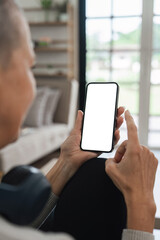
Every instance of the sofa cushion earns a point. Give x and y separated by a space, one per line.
43 107
35 114
33 144
51 106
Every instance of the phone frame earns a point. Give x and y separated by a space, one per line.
115 115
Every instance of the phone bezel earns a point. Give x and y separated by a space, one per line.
115 115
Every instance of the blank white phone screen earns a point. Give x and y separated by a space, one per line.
98 124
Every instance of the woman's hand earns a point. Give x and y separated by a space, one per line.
72 157
133 171
70 149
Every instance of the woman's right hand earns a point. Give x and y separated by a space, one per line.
133 170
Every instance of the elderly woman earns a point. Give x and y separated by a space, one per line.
89 205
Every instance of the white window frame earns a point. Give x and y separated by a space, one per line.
145 72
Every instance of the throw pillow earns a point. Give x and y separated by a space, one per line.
51 105
35 114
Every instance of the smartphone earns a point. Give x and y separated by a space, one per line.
99 119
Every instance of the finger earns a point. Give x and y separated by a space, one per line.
120 152
112 171
131 130
120 111
90 155
119 122
110 167
116 136
79 119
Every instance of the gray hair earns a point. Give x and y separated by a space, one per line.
10 31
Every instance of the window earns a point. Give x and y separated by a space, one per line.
123 45
154 109
120 48
114 45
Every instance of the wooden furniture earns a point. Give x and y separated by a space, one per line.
55 59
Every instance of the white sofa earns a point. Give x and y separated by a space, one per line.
34 143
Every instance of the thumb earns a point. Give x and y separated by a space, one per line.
79 119
110 167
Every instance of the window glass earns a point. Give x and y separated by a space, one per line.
127 76
156 33
127 8
126 33
155 74
126 66
154 123
154 139
100 8
98 33
98 64
129 97
155 100
157 7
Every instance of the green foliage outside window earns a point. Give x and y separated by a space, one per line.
46 4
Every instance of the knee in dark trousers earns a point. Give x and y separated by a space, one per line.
90 206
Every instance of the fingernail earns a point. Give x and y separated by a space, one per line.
128 111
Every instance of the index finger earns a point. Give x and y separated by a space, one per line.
131 130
